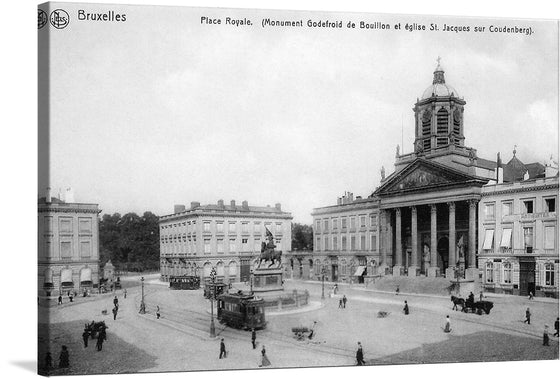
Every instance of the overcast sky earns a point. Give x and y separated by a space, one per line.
161 110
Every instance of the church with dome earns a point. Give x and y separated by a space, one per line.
443 212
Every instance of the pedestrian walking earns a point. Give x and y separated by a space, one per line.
254 338
335 288
59 299
223 352
71 296
64 358
528 316
124 292
545 337
340 303
85 337
344 300
115 310
157 312
480 296
360 355
556 327
398 290
405 309
264 359
48 361
116 301
447 328
531 295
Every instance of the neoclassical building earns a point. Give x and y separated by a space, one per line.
68 246
225 236
424 218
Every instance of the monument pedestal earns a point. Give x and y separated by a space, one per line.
267 280
413 271
398 271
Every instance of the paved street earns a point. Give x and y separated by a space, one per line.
179 340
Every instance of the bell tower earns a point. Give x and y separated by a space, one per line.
438 117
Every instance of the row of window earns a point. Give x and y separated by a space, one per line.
344 243
506 244
527 207
219 245
65 225
66 249
246 226
345 222
493 273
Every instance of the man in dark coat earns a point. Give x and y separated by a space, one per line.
115 311
254 338
556 327
116 301
405 308
222 349
360 355
64 359
59 299
85 337
528 316
344 300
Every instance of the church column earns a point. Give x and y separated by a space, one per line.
433 270
383 240
389 252
398 241
414 256
451 257
472 272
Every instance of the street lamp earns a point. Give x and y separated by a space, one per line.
251 281
212 297
142 304
323 273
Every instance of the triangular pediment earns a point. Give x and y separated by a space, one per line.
423 175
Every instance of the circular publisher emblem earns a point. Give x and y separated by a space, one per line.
42 18
59 18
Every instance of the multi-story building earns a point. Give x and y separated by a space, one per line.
68 246
518 243
426 218
227 237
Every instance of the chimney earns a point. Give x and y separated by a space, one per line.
278 206
358 197
232 203
69 196
350 196
48 198
339 201
221 203
178 208
195 204
245 204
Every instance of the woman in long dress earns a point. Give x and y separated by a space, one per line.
264 362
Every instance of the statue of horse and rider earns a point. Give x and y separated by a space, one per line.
268 254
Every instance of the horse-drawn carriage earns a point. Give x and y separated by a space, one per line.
470 305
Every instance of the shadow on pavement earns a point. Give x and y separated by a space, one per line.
476 347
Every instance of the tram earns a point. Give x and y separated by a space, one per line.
241 311
184 282
215 289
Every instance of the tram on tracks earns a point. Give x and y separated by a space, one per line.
241 311
184 282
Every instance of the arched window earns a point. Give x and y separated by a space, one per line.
317 267
507 272
442 127
206 269
343 267
489 272
549 274
220 269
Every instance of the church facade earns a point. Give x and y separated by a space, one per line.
424 219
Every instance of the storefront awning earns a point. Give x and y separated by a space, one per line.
359 270
506 238
85 275
488 239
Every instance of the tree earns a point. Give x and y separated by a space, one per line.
130 241
302 237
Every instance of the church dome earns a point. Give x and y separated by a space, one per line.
439 87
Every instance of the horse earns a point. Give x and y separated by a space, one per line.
458 301
272 256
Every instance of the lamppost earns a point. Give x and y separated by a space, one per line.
323 273
142 304
212 296
251 280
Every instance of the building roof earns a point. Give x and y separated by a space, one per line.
439 87
54 200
